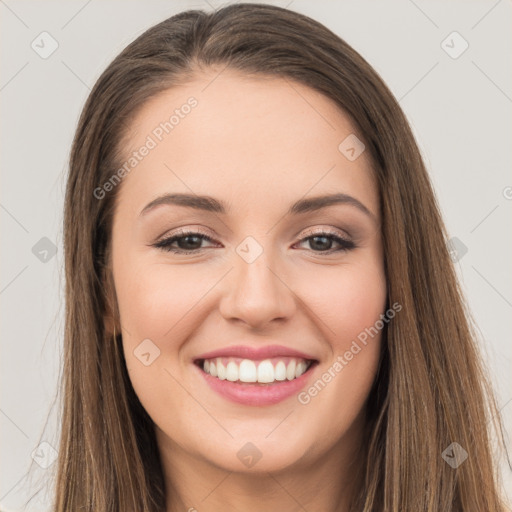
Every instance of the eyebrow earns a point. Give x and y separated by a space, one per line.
210 204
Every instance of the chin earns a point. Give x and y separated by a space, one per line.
256 458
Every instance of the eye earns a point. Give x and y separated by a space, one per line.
324 240
188 242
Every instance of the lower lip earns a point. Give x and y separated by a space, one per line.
257 394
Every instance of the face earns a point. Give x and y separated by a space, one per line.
258 280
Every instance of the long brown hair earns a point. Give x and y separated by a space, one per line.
431 389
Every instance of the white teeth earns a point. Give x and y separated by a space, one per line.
300 369
265 372
232 372
280 371
290 370
213 370
221 370
247 370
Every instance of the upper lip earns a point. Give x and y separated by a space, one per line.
246 352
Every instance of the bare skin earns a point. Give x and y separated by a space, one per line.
257 145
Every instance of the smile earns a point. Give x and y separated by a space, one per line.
256 382
267 371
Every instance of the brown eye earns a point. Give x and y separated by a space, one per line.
323 242
186 243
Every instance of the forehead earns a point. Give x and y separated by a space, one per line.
243 137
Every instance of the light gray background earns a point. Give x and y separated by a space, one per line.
460 111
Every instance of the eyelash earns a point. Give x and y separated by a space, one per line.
346 245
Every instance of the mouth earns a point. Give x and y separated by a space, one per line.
272 371
256 376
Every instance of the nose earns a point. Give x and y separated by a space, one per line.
257 294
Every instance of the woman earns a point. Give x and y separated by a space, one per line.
261 310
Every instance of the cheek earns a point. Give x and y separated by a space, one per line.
153 298
358 305
348 300
351 310
153 303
